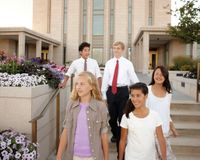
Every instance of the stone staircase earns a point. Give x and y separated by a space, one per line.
186 117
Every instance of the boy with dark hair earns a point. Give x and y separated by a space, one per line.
84 63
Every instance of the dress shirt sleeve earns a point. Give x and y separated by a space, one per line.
105 82
71 70
97 70
133 76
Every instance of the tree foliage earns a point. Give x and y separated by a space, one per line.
188 28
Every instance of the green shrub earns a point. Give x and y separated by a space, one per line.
184 63
186 67
180 61
172 68
10 67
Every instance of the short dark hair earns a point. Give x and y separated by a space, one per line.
165 74
83 45
129 105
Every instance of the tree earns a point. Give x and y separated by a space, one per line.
188 28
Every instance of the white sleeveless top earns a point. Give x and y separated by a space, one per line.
162 106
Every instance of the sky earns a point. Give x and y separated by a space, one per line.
18 13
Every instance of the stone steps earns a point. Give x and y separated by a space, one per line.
189 129
186 118
186 157
185 106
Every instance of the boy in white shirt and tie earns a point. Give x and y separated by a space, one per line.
84 63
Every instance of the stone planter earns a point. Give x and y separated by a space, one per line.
18 105
184 85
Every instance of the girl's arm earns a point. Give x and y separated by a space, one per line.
62 144
161 140
122 142
173 129
104 141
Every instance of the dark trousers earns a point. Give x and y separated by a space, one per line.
116 103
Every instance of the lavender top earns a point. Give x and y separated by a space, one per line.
82 143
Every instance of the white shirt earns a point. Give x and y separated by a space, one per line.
126 74
162 106
77 67
141 136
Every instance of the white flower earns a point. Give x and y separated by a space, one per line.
9 142
21 80
4 153
17 155
16 146
2 145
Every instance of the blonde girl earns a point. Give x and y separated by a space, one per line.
85 126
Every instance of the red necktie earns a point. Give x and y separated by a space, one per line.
85 65
114 82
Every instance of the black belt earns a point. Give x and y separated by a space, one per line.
121 87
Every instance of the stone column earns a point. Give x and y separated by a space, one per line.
89 21
194 50
135 57
21 45
50 53
145 53
140 59
121 22
38 48
106 30
73 29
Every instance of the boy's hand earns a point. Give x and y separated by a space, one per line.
62 85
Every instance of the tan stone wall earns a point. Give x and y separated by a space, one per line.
161 18
58 55
40 15
138 18
31 51
73 29
176 48
56 30
161 55
9 46
4 45
121 21
140 11
23 103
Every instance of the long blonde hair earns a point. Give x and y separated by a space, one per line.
95 92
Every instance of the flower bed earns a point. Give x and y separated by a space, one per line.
16 146
26 73
21 80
